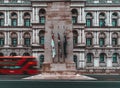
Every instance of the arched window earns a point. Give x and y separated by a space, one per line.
75 38
102 58
115 58
102 39
114 39
26 54
42 18
1 54
1 19
41 60
13 54
41 37
14 39
89 20
13 19
27 39
27 20
102 19
89 57
1 39
89 38
114 19
74 16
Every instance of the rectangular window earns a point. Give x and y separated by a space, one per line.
27 22
102 22
74 20
14 41
14 22
114 22
88 22
1 41
1 22
27 41
42 20
114 41
88 42
101 42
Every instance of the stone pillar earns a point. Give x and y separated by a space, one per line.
33 15
5 19
36 15
79 37
109 62
18 38
8 19
8 38
107 18
83 36
79 16
83 15
19 18
97 18
110 24
96 62
21 38
97 39
110 42
81 60
94 23
33 36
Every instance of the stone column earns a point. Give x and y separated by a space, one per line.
8 19
33 17
79 16
110 24
21 38
107 18
96 62
18 38
81 60
94 23
83 15
83 36
79 36
8 38
5 18
97 18
18 18
33 36
36 15
97 38
109 62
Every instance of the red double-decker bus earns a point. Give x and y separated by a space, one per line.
18 65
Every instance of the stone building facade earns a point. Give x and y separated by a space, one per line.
91 28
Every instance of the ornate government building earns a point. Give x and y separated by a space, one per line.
91 27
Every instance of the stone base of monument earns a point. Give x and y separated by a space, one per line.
59 77
59 71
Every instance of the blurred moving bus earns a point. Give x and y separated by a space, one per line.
18 65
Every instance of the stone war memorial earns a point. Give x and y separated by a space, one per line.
67 37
